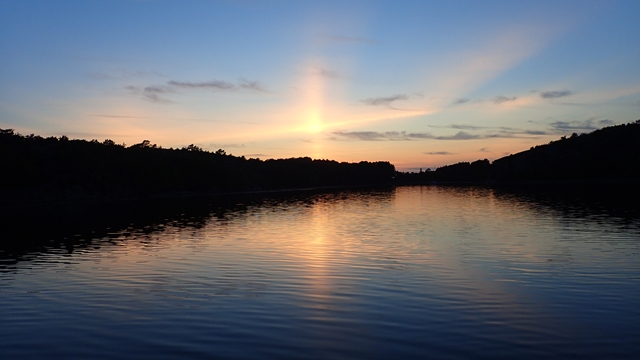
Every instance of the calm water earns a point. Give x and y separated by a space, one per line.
412 272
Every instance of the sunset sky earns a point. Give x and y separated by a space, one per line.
417 83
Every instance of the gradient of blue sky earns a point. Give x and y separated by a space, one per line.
417 83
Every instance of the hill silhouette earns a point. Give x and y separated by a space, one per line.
611 153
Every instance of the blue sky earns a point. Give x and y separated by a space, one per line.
417 83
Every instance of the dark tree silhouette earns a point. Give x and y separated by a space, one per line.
611 153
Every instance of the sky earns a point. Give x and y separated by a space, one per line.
418 83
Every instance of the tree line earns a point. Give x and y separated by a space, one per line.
57 168
611 153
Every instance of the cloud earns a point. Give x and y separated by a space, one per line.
404 136
330 74
152 92
213 84
251 85
555 94
158 89
385 100
493 131
501 99
461 135
461 101
155 98
372 135
459 127
439 153
587 125
256 155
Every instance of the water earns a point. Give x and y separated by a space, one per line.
411 272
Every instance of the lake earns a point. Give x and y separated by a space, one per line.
407 272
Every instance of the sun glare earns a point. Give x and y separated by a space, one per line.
314 124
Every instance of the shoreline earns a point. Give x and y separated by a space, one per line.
67 198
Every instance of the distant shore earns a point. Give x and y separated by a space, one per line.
59 170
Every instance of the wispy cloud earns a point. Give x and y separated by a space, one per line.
461 101
459 127
153 92
462 135
386 100
535 132
404 136
579 125
555 94
502 99
213 84
251 85
156 98
496 130
503 133
372 135
330 74
439 153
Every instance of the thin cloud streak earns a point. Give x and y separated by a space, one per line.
588 125
439 153
502 99
461 101
404 136
152 92
459 127
329 74
213 84
384 100
555 94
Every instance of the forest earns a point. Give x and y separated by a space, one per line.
37 169
60 169
611 153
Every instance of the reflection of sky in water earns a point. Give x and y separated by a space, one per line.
453 272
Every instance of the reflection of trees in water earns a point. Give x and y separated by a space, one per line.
68 228
614 203
56 228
